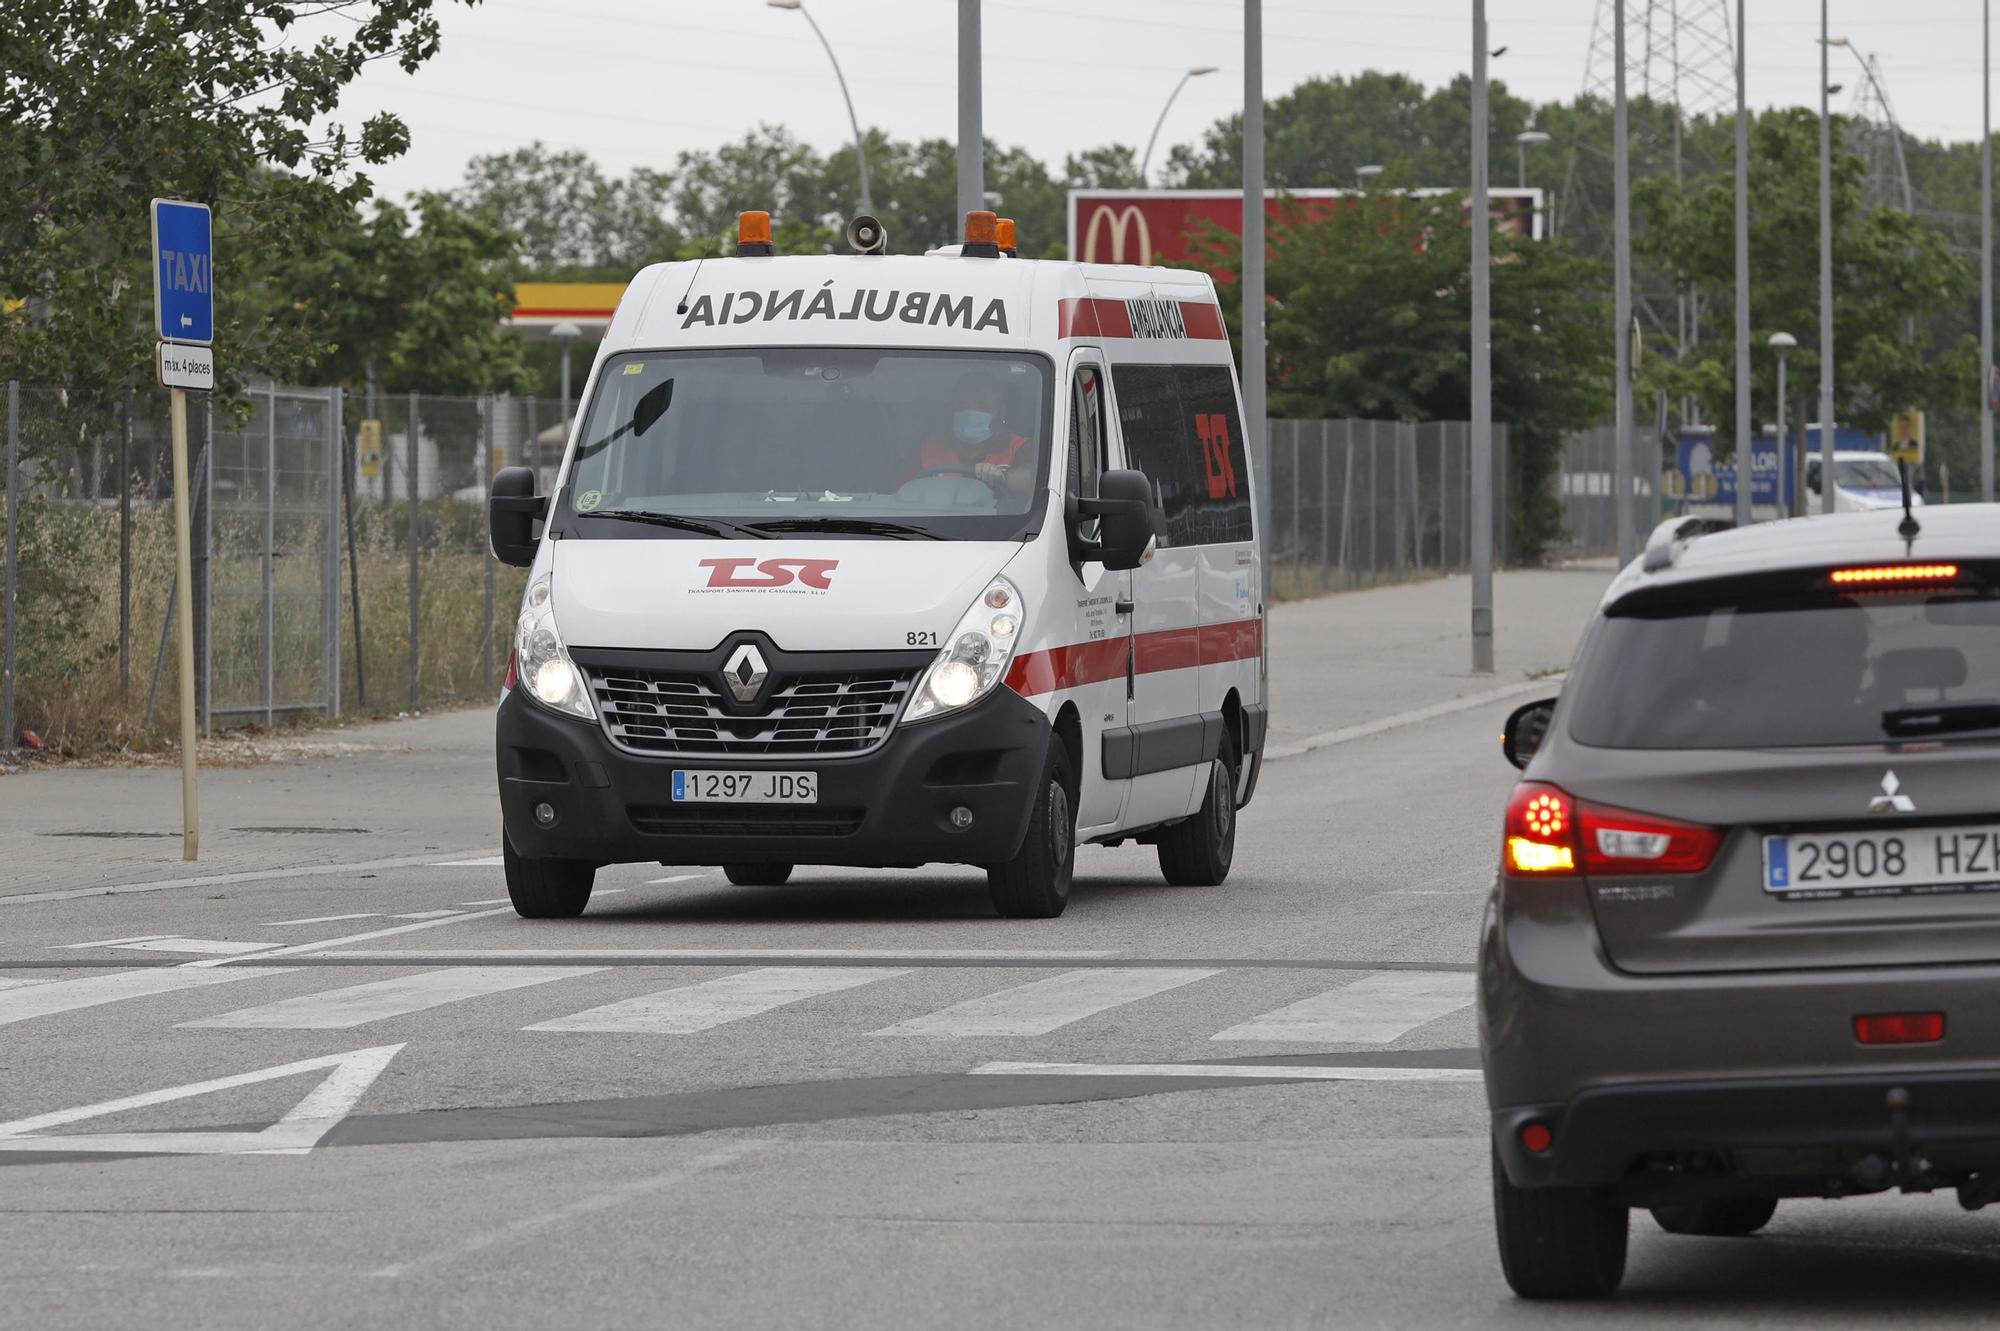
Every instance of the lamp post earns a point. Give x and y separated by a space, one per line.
1782 343
1745 470
1621 281
1986 253
1481 496
1521 142
1364 174
565 335
860 145
1826 45
1193 73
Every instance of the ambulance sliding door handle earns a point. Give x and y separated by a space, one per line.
1124 607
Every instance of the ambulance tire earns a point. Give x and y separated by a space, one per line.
757 875
546 889
1196 852
1034 885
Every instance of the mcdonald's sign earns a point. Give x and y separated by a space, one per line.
1158 225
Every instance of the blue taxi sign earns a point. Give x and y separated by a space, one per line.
183 271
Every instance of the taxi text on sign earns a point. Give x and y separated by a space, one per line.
183 271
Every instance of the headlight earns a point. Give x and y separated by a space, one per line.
547 673
977 655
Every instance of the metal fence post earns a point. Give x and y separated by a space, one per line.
1298 545
1396 490
270 552
124 551
336 469
1325 508
1374 466
1503 522
416 586
203 486
7 731
487 437
1347 501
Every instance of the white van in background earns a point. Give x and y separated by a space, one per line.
1863 480
880 560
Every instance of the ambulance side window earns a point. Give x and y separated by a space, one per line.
1086 432
1180 427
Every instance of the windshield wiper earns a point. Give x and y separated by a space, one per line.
703 526
859 526
1942 719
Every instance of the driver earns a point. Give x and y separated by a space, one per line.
980 443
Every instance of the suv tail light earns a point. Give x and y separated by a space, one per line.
1550 832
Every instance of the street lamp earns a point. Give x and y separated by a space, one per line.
1783 344
1364 174
1826 45
565 335
1521 142
1194 73
860 146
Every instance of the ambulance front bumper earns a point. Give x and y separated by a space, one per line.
890 806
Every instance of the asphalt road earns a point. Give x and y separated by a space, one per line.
339 1090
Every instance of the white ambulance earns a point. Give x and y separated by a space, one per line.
881 560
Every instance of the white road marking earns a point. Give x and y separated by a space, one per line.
47 999
357 1005
213 947
1550 684
1260 1072
8 983
115 942
363 937
216 880
675 878
489 901
1373 1010
455 956
425 914
1041 1006
717 1002
328 919
301 1129
562 1215
486 862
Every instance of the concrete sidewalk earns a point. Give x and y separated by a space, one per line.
421 790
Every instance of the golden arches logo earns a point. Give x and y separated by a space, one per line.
1120 223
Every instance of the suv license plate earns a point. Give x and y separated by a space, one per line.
746 787
1914 860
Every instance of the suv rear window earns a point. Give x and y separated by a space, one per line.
1822 668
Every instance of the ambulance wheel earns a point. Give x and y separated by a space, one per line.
546 889
757 875
1034 885
1196 852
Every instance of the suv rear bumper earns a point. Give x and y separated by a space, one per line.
1621 1066
889 806
1796 1134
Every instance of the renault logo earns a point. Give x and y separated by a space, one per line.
745 673
1891 800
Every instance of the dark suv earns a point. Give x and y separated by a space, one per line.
1744 943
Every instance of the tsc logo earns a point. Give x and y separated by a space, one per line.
767 573
1213 428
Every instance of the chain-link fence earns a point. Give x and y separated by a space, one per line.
1357 502
340 547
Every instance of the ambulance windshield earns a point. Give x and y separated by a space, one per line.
854 443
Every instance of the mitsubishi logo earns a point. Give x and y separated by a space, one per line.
1890 801
745 673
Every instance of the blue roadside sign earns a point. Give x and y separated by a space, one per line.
183 271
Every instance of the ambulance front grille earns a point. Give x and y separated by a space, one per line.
805 713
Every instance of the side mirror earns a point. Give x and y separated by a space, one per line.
512 511
1125 521
1526 727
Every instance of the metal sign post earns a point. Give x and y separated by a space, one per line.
184 314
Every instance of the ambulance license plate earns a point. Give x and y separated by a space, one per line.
746 787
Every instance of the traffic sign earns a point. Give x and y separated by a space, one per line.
183 271
185 367
1906 437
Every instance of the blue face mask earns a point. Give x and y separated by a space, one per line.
972 427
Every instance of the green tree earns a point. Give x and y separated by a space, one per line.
1889 267
1371 317
106 103
573 222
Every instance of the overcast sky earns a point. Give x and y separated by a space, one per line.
635 81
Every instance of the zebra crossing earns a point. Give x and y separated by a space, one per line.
1371 1009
